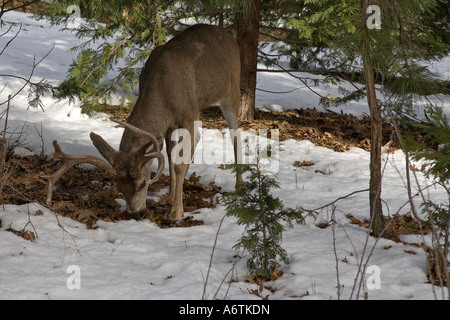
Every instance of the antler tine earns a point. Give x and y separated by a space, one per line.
140 132
160 158
156 154
68 162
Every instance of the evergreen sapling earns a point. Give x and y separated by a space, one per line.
263 215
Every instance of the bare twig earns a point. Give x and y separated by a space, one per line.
27 81
29 222
11 6
340 198
3 173
3 140
301 79
238 257
333 222
41 135
64 230
278 92
212 255
12 39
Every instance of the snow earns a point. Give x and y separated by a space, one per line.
137 260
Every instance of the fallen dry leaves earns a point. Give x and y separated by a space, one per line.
89 195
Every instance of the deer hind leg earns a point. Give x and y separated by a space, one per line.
230 109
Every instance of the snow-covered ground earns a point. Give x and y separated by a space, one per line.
138 260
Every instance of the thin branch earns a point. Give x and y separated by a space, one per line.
23 5
283 70
3 173
233 267
211 259
41 135
291 74
28 200
31 223
278 92
339 286
15 36
340 198
27 80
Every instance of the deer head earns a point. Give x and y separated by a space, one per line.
132 169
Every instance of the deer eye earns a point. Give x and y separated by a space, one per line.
140 186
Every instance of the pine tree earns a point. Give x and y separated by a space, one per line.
389 57
119 36
263 215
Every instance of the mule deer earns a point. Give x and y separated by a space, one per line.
195 69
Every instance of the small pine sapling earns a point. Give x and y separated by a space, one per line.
263 215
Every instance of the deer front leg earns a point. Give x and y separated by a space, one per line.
181 153
176 212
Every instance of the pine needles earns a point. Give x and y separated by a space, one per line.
264 217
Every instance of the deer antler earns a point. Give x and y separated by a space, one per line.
68 162
156 154
139 131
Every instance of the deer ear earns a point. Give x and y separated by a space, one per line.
144 154
104 148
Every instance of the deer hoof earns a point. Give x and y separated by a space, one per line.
176 214
137 215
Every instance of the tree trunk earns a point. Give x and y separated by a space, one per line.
376 210
247 37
